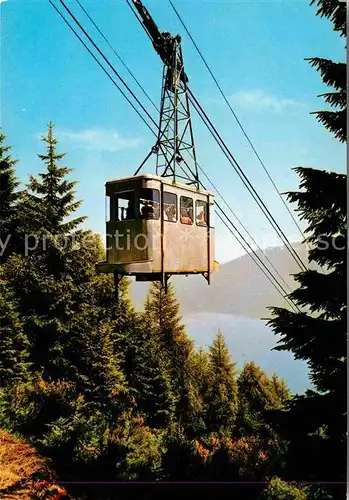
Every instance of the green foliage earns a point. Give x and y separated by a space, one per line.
46 305
335 11
221 399
14 345
51 198
257 395
280 392
319 337
182 459
9 198
280 490
315 425
138 448
333 73
146 372
47 205
162 311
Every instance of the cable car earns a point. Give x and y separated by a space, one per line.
158 225
157 228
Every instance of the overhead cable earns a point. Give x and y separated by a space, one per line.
144 120
236 118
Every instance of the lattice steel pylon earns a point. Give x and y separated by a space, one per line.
174 148
176 155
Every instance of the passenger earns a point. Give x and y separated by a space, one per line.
165 215
170 213
201 219
185 218
147 210
130 213
156 208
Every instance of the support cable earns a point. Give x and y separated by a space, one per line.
107 61
237 168
101 66
208 123
118 56
236 118
147 124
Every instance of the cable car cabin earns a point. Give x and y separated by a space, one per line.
156 228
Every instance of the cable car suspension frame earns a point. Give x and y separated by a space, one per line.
174 148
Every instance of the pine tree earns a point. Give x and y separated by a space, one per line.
257 389
200 378
319 337
257 395
91 360
280 390
50 283
200 369
222 396
146 371
9 197
156 396
163 310
333 73
49 203
14 345
316 423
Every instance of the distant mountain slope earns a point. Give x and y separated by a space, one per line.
239 287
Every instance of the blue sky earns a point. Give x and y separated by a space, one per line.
256 50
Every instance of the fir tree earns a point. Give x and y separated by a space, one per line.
280 390
316 422
9 197
90 358
319 337
145 368
256 388
333 73
222 396
49 203
50 283
201 382
156 396
163 310
257 395
14 345
201 372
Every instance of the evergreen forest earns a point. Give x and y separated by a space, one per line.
120 402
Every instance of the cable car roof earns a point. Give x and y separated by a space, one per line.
164 180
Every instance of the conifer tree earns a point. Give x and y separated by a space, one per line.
333 73
257 395
201 372
46 281
14 345
155 393
200 378
256 388
280 390
163 310
9 197
52 198
49 203
222 396
316 423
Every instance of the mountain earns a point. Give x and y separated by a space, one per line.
239 287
